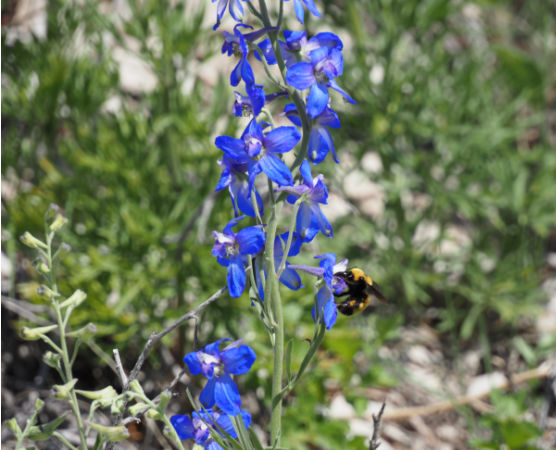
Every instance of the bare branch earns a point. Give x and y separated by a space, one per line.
373 445
119 365
155 337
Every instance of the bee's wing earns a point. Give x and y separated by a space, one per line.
374 291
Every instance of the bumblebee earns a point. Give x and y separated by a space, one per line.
361 290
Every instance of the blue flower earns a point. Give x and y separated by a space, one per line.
235 44
197 427
250 104
259 151
325 308
234 177
320 139
318 75
289 277
300 10
297 48
236 10
217 366
231 251
310 219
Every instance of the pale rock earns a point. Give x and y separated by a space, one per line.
483 384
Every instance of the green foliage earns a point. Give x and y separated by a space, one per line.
507 424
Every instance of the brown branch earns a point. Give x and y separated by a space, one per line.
434 408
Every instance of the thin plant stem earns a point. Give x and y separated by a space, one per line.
67 367
290 238
272 295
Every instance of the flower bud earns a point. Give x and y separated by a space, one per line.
31 241
44 268
112 433
138 408
136 387
87 332
117 406
107 393
59 222
62 390
153 414
165 398
46 292
39 404
51 359
75 299
14 427
32 334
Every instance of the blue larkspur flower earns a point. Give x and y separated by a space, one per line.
217 366
231 251
297 48
198 426
236 44
259 151
299 7
320 139
234 177
289 276
236 11
250 104
310 219
325 307
318 75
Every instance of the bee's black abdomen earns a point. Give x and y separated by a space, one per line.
346 309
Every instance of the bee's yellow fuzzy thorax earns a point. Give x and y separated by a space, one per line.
358 274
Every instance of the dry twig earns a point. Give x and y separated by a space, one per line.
373 445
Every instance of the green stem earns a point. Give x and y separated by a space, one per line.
64 346
272 295
63 440
290 238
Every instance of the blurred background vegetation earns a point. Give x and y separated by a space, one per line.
445 194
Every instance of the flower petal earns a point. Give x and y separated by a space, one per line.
334 85
330 313
250 240
299 10
193 363
238 360
276 170
226 395
291 279
320 143
232 147
207 394
236 10
213 445
323 223
318 99
183 426
306 227
301 75
305 171
227 426
236 277
282 139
